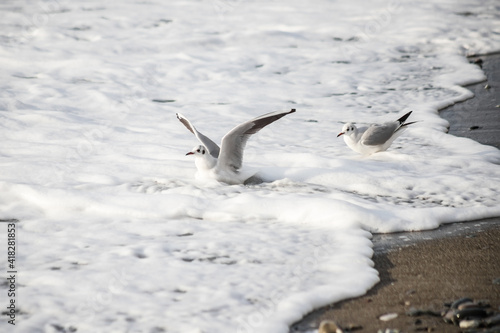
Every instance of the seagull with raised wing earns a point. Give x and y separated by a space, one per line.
224 163
376 137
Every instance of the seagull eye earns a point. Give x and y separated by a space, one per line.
198 150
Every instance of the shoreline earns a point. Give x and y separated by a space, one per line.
428 268
396 241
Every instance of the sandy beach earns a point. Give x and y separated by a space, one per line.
428 272
424 276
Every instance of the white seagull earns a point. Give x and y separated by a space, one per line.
376 137
223 164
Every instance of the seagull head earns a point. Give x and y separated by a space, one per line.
198 151
203 160
348 130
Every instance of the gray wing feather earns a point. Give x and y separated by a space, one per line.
233 143
379 134
211 146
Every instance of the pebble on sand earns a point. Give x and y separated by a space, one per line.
329 326
388 316
469 323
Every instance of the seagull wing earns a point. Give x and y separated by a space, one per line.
212 147
233 143
379 134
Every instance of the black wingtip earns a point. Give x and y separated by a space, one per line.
403 118
292 110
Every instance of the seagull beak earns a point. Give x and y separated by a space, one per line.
190 153
340 134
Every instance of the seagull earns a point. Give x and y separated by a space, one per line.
223 164
376 137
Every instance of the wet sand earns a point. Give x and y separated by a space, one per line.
424 275
427 269
478 118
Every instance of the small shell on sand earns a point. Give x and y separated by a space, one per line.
388 316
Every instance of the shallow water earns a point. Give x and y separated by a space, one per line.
388 242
